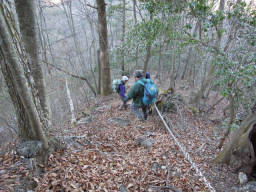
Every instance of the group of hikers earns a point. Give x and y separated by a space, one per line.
143 93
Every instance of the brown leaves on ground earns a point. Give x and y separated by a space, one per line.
112 159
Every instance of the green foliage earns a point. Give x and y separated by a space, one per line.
142 35
199 8
112 9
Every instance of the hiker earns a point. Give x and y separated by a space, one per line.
137 94
122 90
147 75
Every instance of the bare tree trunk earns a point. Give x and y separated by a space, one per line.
71 105
159 62
212 69
231 120
103 38
99 68
24 127
190 53
237 139
172 77
20 81
122 40
148 54
26 16
135 22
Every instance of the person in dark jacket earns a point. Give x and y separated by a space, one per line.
122 90
136 93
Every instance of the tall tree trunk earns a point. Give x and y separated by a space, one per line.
159 62
135 22
19 80
26 15
103 38
99 68
122 40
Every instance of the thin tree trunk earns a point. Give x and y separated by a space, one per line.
122 40
71 105
103 38
148 54
99 68
231 120
159 62
135 22
75 76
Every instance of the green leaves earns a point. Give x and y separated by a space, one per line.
145 32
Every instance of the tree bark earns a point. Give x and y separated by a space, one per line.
20 81
122 40
148 54
24 127
231 120
135 22
99 68
26 15
237 139
103 39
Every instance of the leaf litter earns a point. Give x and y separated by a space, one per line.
113 161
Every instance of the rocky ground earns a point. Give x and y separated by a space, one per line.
110 150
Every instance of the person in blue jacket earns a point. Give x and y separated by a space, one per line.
122 90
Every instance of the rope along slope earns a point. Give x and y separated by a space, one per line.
185 153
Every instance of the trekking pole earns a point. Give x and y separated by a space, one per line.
185 153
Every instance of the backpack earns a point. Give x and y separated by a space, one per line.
115 85
150 92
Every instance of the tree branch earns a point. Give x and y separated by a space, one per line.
91 6
205 44
72 75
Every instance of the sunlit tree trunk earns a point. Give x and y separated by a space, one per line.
103 39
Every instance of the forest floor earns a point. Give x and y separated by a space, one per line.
117 152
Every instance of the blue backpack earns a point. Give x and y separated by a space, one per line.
150 91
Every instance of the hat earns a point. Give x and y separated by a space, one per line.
125 78
147 75
138 73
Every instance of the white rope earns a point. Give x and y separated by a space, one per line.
186 154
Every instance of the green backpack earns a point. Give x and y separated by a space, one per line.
115 85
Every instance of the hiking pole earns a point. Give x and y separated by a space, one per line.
185 153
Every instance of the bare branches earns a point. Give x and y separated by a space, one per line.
205 44
91 6
73 75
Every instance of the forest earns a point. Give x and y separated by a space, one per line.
64 128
